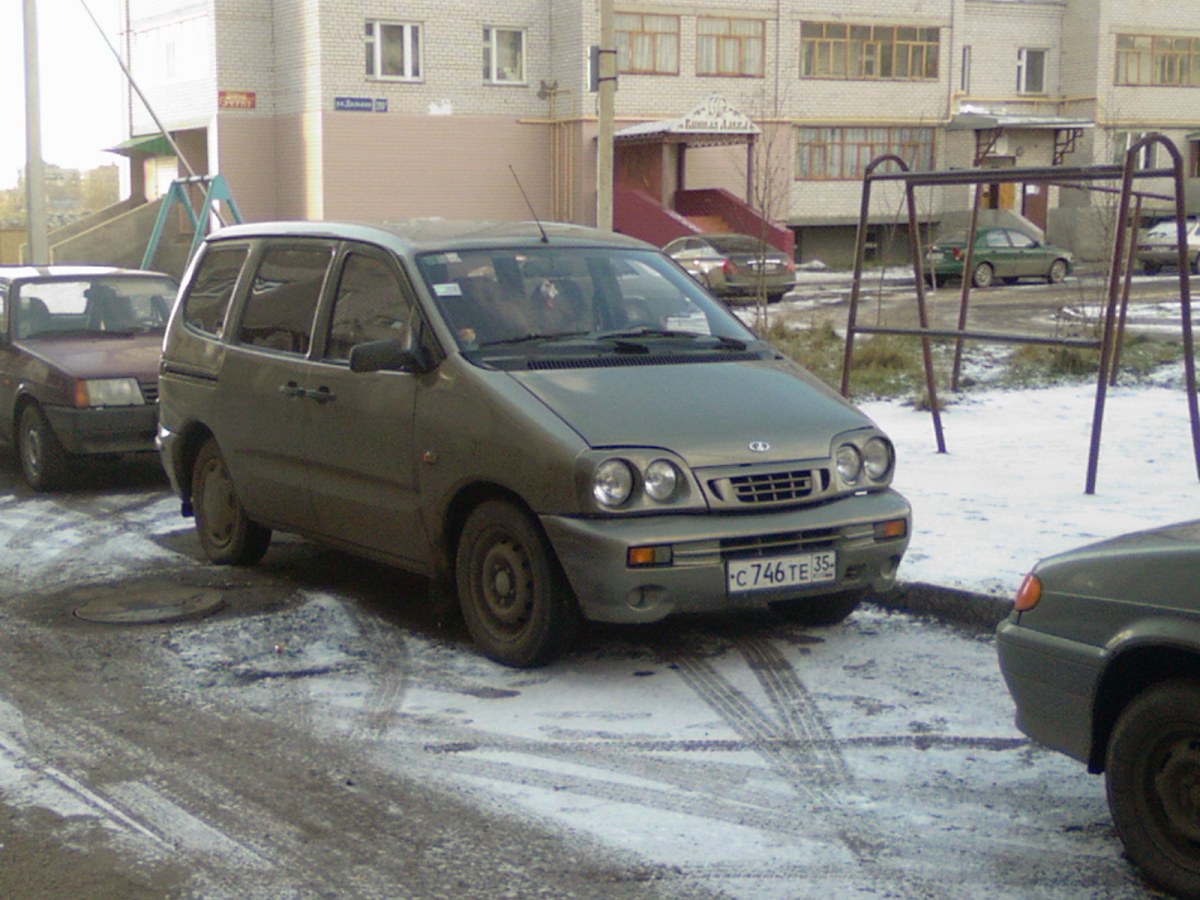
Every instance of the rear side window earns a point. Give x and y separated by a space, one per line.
283 297
207 304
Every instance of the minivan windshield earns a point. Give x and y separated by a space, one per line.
540 295
110 304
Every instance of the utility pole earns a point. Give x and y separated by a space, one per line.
35 168
606 66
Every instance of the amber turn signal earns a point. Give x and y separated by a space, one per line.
1028 594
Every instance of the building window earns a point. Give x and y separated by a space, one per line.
729 46
1123 141
844 153
393 50
1158 60
964 76
1031 71
503 56
647 44
891 52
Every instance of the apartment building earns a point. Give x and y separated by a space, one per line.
370 109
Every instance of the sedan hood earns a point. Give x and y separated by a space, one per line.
709 413
92 356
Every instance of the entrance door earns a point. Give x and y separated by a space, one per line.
1035 202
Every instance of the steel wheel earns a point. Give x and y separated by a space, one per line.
227 534
43 459
1153 779
983 276
514 597
1058 271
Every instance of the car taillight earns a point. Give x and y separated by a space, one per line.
958 253
729 267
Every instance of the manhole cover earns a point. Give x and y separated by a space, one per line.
150 604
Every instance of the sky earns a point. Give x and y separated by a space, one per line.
80 82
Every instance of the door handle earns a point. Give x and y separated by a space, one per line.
291 389
322 395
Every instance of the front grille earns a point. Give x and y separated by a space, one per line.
766 487
149 390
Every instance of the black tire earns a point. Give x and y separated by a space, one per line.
1150 268
1196 265
825 610
514 596
1153 779
44 462
227 535
1057 273
983 276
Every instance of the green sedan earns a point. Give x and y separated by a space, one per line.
1003 254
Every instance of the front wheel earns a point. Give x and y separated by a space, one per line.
1058 272
514 597
825 610
1196 265
1153 781
227 535
983 275
43 459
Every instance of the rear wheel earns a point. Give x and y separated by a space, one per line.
1149 268
227 535
1153 780
1196 265
983 276
44 462
515 598
825 610
1058 271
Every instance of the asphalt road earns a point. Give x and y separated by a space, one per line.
324 734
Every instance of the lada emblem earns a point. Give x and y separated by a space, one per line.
759 446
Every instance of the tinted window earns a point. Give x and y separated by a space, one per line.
283 297
371 305
207 302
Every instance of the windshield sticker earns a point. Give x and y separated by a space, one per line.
697 323
448 289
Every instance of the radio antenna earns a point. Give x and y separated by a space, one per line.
532 211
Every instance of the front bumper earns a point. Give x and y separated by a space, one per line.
593 553
1053 684
104 430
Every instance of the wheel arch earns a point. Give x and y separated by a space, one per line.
193 437
460 507
1128 675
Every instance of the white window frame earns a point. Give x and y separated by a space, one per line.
1025 70
493 74
414 63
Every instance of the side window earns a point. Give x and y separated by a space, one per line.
371 305
1020 239
996 239
207 302
3 311
283 297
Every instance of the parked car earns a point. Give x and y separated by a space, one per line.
1102 656
557 423
1159 246
735 266
79 351
1003 254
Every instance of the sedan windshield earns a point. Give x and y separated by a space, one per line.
542 296
99 305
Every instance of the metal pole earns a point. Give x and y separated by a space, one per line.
35 167
606 64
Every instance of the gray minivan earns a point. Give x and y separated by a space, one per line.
555 422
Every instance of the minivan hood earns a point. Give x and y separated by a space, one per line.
709 413
93 356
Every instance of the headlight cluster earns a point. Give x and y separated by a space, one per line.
616 480
864 464
108 392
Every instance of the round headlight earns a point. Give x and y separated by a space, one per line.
661 479
612 483
849 463
877 459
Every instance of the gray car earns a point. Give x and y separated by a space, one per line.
1158 247
735 266
555 423
1102 656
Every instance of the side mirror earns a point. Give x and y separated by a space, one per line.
388 355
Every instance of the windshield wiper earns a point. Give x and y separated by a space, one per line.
725 343
530 338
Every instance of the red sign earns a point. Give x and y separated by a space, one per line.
236 99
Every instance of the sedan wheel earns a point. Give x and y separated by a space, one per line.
1058 271
43 459
514 597
227 534
1153 779
983 276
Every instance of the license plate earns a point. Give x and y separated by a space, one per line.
772 573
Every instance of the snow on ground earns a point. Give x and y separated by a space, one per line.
1010 488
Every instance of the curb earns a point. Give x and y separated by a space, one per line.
978 612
